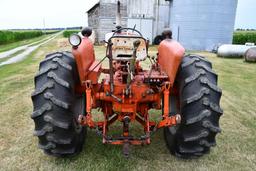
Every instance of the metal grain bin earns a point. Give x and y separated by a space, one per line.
202 24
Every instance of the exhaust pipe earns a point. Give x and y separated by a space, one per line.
118 15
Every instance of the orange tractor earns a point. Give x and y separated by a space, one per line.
70 86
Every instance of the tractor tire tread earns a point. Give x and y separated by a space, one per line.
58 80
200 110
47 128
53 106
45 108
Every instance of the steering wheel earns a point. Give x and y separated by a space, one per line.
127 29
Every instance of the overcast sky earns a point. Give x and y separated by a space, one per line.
60 13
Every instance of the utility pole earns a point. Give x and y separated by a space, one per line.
44 25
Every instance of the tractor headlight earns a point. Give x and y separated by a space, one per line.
75 40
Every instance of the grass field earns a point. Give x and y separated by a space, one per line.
236 149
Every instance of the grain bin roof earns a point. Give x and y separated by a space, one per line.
93 7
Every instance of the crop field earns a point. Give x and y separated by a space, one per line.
242 37
13 36
236 145
68 33
16 38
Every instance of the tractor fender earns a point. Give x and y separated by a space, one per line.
85 57
170 54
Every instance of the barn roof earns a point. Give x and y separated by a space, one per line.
93 7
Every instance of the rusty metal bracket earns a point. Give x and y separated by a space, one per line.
169 121
88 84
167 86
86 120
166 91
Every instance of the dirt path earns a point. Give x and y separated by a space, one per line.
28 49
8 53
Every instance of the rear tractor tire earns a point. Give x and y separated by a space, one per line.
56 107
199 106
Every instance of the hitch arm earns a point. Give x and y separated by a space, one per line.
166 92
168 120
86 118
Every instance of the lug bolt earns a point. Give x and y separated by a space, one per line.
178 119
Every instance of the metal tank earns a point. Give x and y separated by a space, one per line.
232 51
202 24
250 55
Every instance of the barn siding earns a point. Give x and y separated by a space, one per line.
141 9
102 19
105 26
93 21
109 10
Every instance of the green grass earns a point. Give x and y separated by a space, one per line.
236 144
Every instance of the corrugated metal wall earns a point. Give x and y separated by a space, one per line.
150 16
162 18
145 26
140 8
201 24
112 1
141 14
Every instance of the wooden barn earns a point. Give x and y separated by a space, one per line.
150 17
